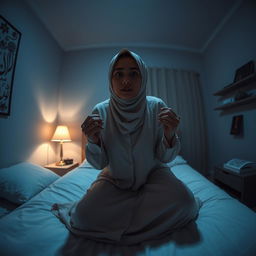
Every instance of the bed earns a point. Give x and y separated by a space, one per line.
223 227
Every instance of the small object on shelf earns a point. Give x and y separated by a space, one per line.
245 101
241 95
244 71
228 100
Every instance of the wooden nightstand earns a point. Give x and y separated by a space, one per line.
241 186
61 170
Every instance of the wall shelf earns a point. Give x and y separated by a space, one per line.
242 85
237 103
237 85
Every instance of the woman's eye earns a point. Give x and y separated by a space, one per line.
134 74
118 74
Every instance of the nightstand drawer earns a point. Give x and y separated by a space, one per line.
229 179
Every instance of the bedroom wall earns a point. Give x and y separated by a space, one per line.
42 68
26 132
233 46
84 83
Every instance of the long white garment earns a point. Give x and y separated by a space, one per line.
136 197
125 217
131 134
129 158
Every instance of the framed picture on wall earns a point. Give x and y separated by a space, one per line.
237 125
9 46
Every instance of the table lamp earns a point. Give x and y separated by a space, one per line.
61 135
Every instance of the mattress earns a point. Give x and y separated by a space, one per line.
224 226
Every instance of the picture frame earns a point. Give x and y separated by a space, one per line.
237 125
9 46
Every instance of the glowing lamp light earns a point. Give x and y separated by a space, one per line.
61 135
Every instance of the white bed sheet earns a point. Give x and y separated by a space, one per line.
224 226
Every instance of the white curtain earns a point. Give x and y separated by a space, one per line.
181 91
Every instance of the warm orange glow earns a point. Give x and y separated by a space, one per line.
73 150
47 104
43 154
69 112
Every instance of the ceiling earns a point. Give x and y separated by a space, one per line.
175 24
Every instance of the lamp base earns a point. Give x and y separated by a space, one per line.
60 163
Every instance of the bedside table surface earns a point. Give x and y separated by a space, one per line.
249 173
67 166
61 170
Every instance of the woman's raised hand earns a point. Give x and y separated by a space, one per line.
91 127
170 121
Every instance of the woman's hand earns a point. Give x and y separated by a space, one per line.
170 121
91 127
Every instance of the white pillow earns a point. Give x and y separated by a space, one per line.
20 182
177 161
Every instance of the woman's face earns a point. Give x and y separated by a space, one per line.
126 78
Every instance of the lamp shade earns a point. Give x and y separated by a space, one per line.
61 134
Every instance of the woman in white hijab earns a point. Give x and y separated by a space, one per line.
131 137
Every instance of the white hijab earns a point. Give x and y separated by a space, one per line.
131 133
128 113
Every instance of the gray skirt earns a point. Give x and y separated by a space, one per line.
109 214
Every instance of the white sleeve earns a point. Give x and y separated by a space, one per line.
164 152
96 155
